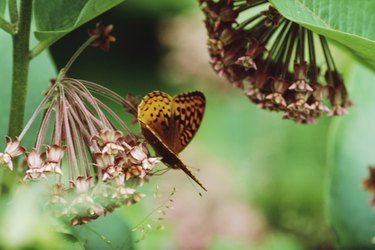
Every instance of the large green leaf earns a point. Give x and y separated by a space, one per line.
352 150
347 22
165 7
54 19
106 232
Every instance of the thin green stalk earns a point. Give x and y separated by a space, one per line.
39 48
75 56
6 26
13 11
1 181
21 61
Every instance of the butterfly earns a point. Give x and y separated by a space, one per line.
169 124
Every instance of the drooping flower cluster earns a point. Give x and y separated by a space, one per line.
93 167
264 55
103 166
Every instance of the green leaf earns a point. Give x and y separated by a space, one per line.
352 150
106 232
347 22
3 4
165 7
69 241
54 19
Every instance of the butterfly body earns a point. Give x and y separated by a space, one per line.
169 124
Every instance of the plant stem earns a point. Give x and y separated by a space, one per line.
21 61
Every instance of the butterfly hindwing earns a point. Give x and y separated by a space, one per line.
187 114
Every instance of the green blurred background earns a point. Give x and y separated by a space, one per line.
265 176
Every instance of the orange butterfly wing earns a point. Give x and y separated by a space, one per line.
169 124
187 114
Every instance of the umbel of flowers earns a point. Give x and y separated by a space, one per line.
273 60
92 165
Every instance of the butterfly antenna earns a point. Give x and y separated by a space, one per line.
161 171
196 169
195 187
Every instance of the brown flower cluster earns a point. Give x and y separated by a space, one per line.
273 60
101 36
369 185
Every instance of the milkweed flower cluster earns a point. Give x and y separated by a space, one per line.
369 185
104 37
273 60
102 165
92 167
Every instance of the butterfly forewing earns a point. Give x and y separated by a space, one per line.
155 111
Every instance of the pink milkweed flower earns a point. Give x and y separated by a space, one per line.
110 141
12 150
54 155
36 165
140 155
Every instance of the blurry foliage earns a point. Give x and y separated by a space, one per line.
108 232
351 152
25 225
